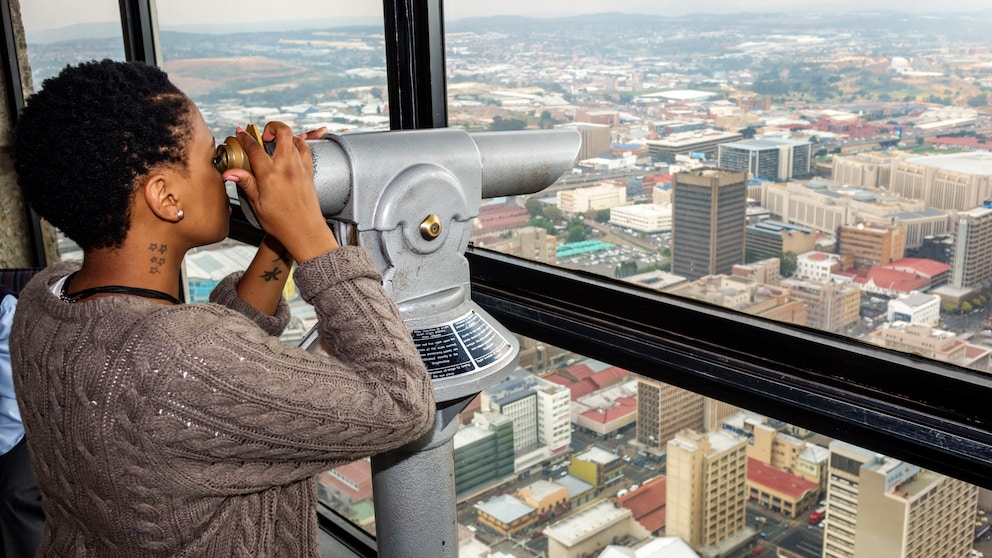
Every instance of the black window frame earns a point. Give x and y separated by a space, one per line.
924 412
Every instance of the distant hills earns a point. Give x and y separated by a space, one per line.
113 29
936 21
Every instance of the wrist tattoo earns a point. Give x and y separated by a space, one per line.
272 274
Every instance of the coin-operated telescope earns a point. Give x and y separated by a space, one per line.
409 198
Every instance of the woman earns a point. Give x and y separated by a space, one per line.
165 429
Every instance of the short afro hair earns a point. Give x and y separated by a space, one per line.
84 140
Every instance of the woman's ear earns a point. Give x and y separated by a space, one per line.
162 200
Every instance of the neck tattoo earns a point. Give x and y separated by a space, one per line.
112 289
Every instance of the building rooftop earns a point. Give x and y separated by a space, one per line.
505 508
778 480
814 454
969 162
597 454
664 547
764 143
592 520
647 503
542 489
575 485
470 433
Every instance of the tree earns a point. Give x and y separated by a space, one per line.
542 223
501 124
788 262
748 132
966 307
601 216
625 269
535 207
576 233
552 212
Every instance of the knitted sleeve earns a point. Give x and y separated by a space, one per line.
248 410
226 294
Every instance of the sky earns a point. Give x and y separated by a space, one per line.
53 14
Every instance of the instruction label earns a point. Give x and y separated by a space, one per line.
460 346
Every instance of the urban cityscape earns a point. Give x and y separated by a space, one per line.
829 171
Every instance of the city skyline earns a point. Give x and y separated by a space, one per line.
55 14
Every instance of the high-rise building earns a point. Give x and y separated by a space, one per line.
709 214
539 411
483 452
771 159
596 139
704 142
706 490
959 181
592 198
530 243
868 170
663 410
879 507
829 306
971 262
771 239
871 245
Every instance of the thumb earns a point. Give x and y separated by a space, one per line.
245 181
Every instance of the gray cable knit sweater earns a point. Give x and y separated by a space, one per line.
191 430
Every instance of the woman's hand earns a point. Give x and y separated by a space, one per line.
281 190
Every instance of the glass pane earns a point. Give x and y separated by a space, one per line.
634 463
832 175
799 176
318 65
63 32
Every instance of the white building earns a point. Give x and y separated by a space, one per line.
647 217
959 181
818 266
879 507
915 308
539 409
593 198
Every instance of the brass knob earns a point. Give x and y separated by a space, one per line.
230 154
430 228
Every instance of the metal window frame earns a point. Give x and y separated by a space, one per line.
904 406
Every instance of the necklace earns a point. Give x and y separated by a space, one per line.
113 289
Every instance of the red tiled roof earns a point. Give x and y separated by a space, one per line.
777 480
922 266
623 407
892 279
961 142
578 371
582 388
819 256
559 379
359 473
647 504
610 376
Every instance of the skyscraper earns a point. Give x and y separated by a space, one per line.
971 263
663 410
879 507
771 159
706 491
708 221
